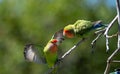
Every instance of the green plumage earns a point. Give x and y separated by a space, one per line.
50 54
47 55
82 28
50 50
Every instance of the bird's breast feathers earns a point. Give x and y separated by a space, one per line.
52 48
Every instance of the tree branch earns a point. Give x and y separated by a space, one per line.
118 45
115 61
65 54
107 30
71 49
100 31
109 61
118 12
94 41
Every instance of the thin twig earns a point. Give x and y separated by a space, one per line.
100 31
71 49
106 32
110 25
115 61
94 41
118 45
114 35
65 54
109 61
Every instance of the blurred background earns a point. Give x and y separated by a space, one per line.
35 21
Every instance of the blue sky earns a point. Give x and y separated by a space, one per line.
93 2
0 0
108 2
111 2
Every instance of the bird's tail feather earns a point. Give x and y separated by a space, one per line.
99 25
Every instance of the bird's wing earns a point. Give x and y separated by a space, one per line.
34 54
59 36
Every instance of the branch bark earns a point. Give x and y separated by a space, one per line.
107 30
71 49
65 54
109 61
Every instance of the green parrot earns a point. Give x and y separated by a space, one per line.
81 28
50 50
47 55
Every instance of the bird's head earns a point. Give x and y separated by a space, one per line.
51 46
69 31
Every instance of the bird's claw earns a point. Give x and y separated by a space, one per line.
59 60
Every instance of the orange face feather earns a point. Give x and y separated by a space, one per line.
53 47
68 33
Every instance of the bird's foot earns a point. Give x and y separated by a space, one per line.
59 60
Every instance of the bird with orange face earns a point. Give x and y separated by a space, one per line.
51 49
48 54
81 28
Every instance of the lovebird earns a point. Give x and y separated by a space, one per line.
47 55
51 49
81 28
